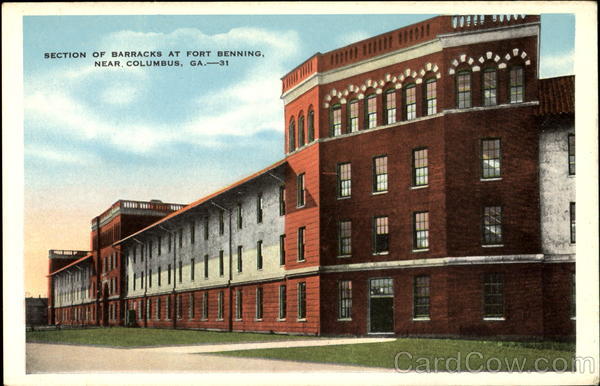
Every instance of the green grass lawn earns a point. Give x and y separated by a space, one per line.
423 353
135 337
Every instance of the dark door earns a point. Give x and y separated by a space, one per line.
382 314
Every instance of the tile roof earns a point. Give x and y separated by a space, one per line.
557 95
70 265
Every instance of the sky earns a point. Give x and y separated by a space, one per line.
94 135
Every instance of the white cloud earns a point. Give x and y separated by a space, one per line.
557 65
79 102
71 156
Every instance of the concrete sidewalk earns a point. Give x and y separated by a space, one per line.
57 358
211 348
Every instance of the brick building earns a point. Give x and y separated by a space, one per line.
423 192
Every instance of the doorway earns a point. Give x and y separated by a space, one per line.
381 306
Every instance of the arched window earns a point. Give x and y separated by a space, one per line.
390 106
311 125
430 96
489 86
410 101
301 141
371 111
463 89
336 120
353 115
292 136
516 84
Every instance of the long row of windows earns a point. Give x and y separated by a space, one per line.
305 135
491 223
489 89
283 303
493 297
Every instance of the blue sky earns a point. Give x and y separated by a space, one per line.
96 135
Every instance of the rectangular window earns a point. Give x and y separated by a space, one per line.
157 311
134 281
390 106
516 85
420 167
150 249
571 154
380 174
259 208
301 193
181 238
220 305
492 225
410 102
239 216
353 116
345 299
159 276
169 239
336 120
206 266
179 305
168 310
301 245
141 279
345 238
421 297
259 256
380 235
490 158
191 307
259 303
221 221
371 110
489 87
238 304
281 249
134 253
493 295
193 270
159 245
205 305
193 232
302 300
281 200
149 280
344 180
205 228
572 221
282 301
169 274
239 259
180 271
221 263
421 230
463 89
431 96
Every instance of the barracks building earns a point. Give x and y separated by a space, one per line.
427 189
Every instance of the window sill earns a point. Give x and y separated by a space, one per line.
420 250
421 319
300 206
344 320
419 187
572 244
344 256
491 179
571 175
258 320
379 193
219 320
303 320
492 245
280 320
301 261
237 320
344 198
381 253
494 319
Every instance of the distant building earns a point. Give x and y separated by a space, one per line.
36 311
427 189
